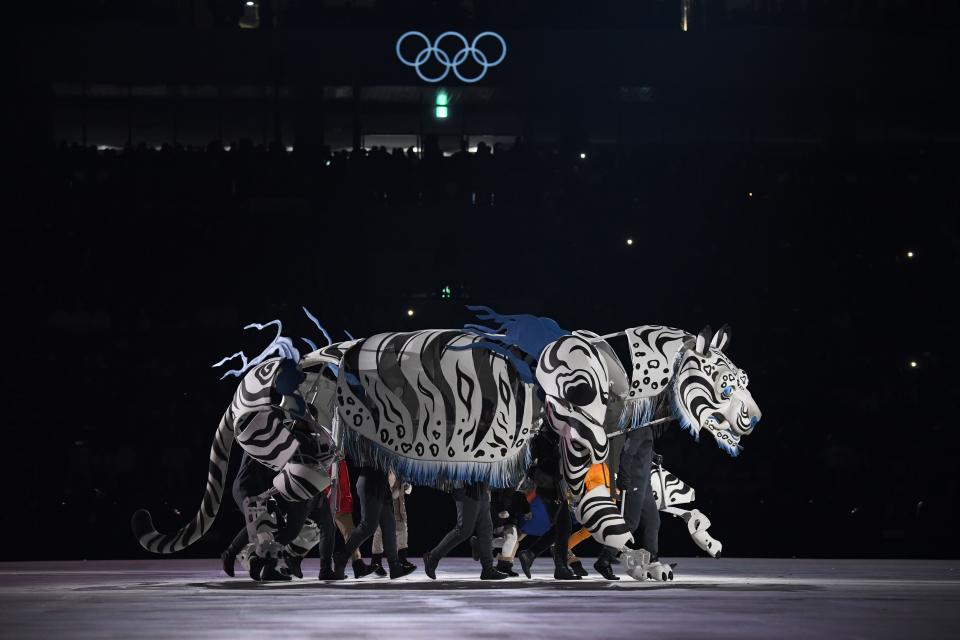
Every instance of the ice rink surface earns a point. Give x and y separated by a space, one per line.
726 598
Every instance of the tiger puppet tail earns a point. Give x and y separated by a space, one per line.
142 522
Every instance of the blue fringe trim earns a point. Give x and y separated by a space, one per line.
682 419
503 474
733 452
637 413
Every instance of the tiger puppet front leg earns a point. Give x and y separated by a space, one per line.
576 380
670 491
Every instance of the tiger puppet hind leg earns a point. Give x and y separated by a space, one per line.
270 420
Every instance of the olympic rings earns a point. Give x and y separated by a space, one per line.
467 49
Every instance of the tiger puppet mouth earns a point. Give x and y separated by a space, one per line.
719 427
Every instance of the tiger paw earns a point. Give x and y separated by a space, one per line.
658 571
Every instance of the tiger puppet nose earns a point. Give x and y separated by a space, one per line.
747 412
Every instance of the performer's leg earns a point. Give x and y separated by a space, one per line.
376 547
541 544
634 478
376 553
345 524
649 527
511 540
484 527
467 511
229 556
323 516
550 500
562 529
484 532
261 524
576 538
251 480
400 515
296 516
371 488
388 528
388 524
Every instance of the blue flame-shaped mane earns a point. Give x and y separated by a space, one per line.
528 333
280 345
313 319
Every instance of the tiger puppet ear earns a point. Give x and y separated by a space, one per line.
721 339
703 340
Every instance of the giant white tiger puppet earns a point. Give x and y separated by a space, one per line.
442 407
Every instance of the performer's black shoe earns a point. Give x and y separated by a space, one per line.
256 566
228 560
492 573
564 572
361 569
505 566
326 573
269 573
526 559
406 563
577 567
430 566
602 565
378 570
560 569
398 570
293 565
474 548
339 564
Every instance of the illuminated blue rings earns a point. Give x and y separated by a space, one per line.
466 49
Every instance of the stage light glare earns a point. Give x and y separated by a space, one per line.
629 242
250 3
749 194
909 254
583 156
409 313
441 113
913 364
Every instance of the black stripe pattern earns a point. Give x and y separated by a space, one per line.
436 397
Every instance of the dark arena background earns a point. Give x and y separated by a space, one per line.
178 169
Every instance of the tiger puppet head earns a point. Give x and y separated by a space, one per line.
606 383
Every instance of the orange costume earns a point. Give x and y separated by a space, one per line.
598 475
